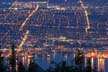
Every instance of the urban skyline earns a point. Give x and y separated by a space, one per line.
55 30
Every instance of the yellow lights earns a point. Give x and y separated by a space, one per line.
96 55
57 7
23 40
90 54
30 56
25 21
62 38
100 64
92 63
93 54
86 15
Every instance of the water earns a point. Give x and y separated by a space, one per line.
101 64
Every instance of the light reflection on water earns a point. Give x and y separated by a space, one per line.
44 61
101 64
92 63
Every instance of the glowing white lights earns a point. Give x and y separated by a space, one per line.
23 40
86 14
25 21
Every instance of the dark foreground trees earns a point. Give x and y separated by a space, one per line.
21 67
77 65
4 67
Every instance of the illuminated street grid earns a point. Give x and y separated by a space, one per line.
44 28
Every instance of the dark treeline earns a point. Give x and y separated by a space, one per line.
77 64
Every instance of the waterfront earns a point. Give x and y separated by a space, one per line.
98 59
53 31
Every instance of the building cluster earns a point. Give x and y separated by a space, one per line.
52 21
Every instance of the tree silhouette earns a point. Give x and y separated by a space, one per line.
79 58
4 67
21 68
13 58
32 66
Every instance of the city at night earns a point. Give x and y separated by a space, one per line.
53 35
